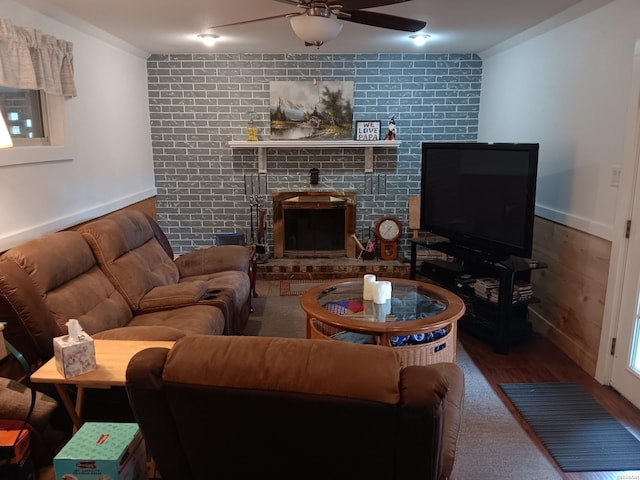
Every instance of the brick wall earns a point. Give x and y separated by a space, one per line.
200 102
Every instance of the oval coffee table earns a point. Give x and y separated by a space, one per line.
419 322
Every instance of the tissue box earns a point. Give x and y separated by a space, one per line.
74 357
103 450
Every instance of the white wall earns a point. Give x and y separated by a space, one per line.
571 90
108 162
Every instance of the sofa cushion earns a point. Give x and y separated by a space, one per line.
30 325
173 296
65 274
214 259
53 259
197 319
129 254
150 333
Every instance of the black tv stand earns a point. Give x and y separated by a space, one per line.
501 323
462 252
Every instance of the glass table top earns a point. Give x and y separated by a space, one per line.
407 303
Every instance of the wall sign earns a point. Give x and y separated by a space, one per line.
367 130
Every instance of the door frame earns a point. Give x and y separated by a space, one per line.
629 183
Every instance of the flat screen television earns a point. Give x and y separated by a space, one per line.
480 196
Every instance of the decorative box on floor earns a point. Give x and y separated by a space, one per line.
103 450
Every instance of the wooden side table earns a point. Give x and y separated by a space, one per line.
112 358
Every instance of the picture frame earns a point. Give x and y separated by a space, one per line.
368 130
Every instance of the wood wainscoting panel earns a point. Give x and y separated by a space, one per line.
571 289
147 206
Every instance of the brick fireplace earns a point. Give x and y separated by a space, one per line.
314 224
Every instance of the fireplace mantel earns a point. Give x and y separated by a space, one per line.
368 147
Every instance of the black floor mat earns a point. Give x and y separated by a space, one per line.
578 432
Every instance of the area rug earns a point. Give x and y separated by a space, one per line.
292 288
579 433
492 444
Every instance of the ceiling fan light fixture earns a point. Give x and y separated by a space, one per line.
419 39
315 29
209 39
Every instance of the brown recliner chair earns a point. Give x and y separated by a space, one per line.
261 407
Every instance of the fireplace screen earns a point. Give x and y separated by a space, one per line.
314 231
313 224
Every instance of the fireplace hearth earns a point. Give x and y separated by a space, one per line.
314 224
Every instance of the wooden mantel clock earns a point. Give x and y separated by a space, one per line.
388 229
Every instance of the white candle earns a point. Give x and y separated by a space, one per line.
367 292
385 287
381 292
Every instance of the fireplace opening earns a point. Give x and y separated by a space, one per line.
314 232
313 224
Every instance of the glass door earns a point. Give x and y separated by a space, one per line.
625 376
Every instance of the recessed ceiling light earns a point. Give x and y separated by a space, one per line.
419 39
208 38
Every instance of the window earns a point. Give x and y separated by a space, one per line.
25 114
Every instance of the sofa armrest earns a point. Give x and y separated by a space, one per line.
213 260
145 387
432 402
173 296
30 325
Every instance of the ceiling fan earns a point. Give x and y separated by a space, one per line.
317 22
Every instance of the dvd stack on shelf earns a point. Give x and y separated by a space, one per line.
483 287
489 289
522 291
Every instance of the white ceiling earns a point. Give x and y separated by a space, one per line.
171 26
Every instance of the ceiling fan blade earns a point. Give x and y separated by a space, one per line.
243 22
361 4
383 20
291 2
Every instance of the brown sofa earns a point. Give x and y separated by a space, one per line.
139 294
132 257
48 280
294 408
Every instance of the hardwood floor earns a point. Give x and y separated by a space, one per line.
541 361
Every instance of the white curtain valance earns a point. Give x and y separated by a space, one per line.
32 60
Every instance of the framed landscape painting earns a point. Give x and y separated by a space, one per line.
311 110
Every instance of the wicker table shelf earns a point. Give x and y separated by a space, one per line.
324 324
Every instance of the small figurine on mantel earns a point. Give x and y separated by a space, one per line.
391 130
252 132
